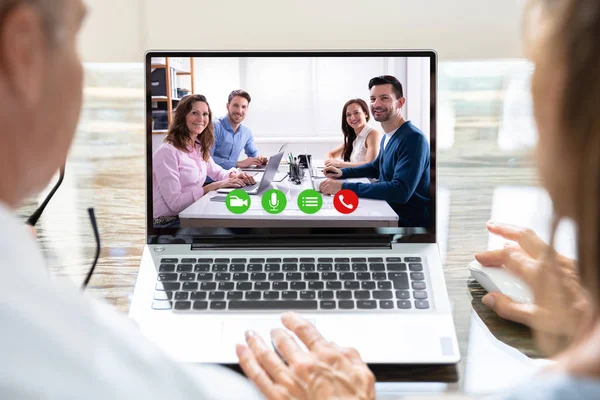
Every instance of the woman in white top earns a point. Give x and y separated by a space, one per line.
361 142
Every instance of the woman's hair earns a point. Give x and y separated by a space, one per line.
349 134
574 40
179 134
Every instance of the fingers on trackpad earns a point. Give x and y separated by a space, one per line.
234 330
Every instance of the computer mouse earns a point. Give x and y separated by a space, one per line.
500 279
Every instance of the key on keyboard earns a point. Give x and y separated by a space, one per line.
250 188
352 283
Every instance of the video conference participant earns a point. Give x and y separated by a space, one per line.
402 165
361 141
231 136
181 164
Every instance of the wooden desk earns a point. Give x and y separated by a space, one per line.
106 170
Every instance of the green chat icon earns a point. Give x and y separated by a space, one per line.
310 201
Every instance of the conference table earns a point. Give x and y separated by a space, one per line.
208 213
479 178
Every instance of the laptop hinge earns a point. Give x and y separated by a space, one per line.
292 242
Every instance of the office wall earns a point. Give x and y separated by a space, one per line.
112 31
465 29
300 99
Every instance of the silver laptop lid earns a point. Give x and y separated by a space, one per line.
270 171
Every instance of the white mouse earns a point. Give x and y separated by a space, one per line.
499 279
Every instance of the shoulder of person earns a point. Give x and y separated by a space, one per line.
374 133
411 129
246 129
412 134
373 137
217 122
166 148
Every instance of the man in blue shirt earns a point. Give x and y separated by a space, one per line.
402 165
231 136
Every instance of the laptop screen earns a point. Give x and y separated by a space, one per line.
283 144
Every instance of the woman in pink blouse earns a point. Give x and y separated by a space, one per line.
181 164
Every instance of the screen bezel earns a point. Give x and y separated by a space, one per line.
197 235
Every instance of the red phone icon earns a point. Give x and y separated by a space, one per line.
345 201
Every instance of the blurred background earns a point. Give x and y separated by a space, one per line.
122 30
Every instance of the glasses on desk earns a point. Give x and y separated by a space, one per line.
33 219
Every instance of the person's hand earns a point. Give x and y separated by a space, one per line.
330 186
234 182
247 179
263 160
332 172
326 371
249 162
560 303
334 162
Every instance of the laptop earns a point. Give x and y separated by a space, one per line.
378 289
315 180
263 167
267 178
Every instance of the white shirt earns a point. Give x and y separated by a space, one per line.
388 136
56 343
359 146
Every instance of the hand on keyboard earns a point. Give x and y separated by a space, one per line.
330 186
244 177
231 183
332 172
237 180
325 371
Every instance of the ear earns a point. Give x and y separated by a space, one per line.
401 102
22 48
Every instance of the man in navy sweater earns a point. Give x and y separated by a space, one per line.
402 165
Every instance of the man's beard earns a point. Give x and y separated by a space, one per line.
236 117
385 117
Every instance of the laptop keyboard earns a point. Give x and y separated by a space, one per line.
305 283
250 188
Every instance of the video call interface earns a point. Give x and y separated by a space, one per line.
324 142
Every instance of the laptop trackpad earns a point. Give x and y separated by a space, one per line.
233 330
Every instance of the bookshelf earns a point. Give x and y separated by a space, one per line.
177 75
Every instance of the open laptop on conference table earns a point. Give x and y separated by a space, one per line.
379 290
266 179
261 168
